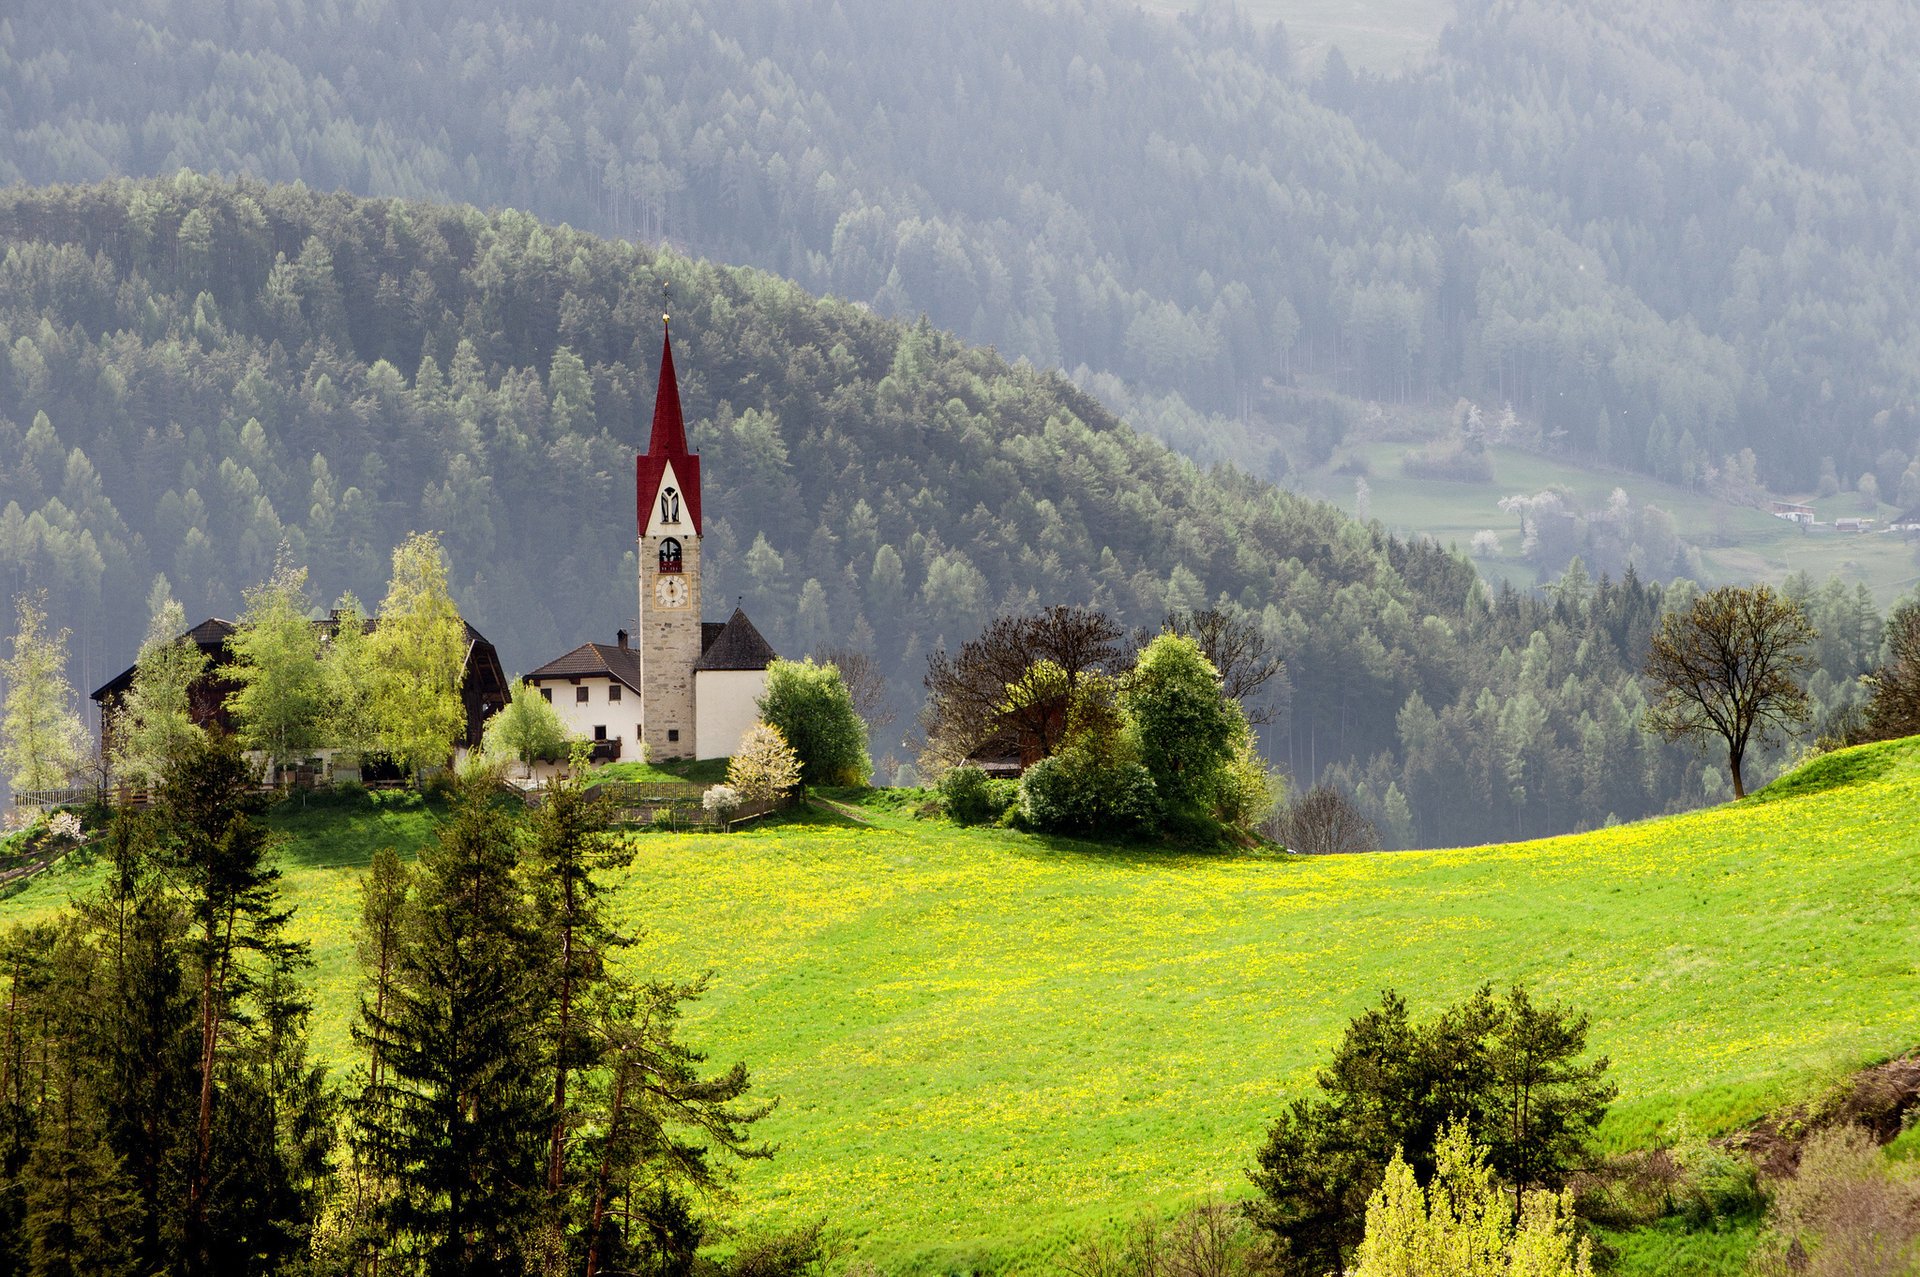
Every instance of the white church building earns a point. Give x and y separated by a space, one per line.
685 687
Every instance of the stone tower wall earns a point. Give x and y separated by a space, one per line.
669 642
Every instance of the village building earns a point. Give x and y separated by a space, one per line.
483 686
679 686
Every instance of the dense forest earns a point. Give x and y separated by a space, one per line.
1663 234
198 373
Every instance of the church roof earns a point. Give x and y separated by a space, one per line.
595 660
668 443
737 646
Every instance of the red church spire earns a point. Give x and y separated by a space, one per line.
669 431
667 447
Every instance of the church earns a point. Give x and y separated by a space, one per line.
683 686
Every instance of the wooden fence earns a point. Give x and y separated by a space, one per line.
664 804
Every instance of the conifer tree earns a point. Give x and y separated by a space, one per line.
217 858
385 903
460 1113
569 843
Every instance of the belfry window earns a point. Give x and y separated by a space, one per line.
670 505
669 555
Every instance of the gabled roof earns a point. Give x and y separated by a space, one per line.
212 635
595 660
668 443
737 646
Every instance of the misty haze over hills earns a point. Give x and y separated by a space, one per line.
1662 233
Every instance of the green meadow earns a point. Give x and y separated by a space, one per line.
985 1043
1737 543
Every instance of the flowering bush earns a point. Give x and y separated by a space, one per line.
764 766
721 799
64 826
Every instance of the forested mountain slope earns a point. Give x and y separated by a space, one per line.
1663 233
197 372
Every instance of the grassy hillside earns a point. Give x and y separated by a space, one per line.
983 1041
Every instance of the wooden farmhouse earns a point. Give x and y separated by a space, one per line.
483 684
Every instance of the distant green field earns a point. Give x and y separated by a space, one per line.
1738 543
985 1042
1378 35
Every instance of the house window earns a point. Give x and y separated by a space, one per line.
546 694
613 691
669 555
673 733
579 696
670 506
599 732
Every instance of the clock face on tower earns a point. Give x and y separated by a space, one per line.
670 591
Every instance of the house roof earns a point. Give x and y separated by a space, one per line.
595 660
668 443
737 646
213 634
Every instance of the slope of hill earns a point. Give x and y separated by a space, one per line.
985 1042
198 372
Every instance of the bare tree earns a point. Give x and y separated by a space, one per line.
864 681
1325 822
1730 665
967 701
1240 651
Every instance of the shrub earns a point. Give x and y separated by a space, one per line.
965 792
720 799
1449 460
1325 822
1847 1210
814 713
1076 792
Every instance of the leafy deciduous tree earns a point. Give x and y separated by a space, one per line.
764 766
1730 665
811 709
419 650
42 740
276 699
527 730
154 723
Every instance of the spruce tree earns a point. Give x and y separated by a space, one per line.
568 843
217 852
460 1114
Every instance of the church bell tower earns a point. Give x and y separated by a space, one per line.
667 485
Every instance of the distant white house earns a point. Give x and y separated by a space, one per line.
1852 524
1794 512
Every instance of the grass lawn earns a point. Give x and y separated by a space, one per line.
983 1042
705 771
